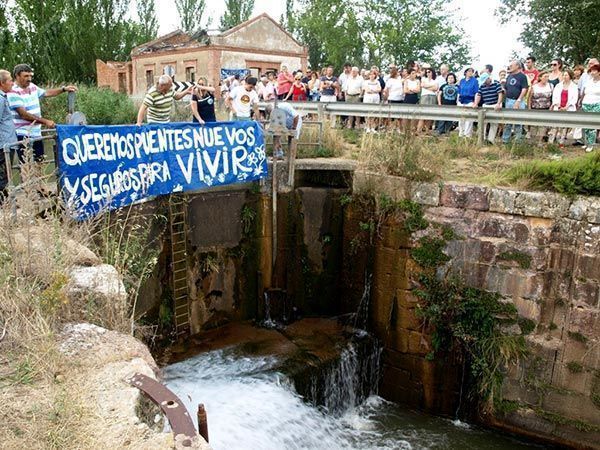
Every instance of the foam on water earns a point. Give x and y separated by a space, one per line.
252 407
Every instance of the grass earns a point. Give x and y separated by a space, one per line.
450 158
580 175
41 391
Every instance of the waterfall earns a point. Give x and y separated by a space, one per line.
347 381
361 317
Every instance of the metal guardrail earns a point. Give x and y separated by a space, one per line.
483 116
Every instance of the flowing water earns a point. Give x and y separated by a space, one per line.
251 406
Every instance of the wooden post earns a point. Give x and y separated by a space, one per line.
292 161
480 126
202 422
274 218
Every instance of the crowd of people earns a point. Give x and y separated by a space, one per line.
520 86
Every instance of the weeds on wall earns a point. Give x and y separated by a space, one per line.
461 318
470 320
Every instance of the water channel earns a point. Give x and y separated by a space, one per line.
251 405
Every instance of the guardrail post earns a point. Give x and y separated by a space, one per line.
480 126
320 114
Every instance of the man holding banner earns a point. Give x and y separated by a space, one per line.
158 103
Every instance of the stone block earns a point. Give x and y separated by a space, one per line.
394 236
541 204
398 340
515 282
473 273
408 319
528 309
565 232
581 382
586 292
503 227
101 281
590 239
465 197
418 343
425 193
585 209
513 390
585 321
588 266
407 299
502 200
571 405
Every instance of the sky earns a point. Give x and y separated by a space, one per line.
491 42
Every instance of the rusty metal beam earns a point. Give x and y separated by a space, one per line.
177 414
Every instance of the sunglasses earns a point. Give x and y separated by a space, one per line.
554 64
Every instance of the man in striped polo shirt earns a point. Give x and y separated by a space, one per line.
490 96
158 102
24 101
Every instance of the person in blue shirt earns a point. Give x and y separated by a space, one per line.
8 133
467 90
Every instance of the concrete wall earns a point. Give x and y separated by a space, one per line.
555 392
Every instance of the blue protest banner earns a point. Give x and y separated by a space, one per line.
108 167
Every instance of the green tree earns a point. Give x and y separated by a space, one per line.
8 49
287 18
400 30
551 29
332 32
190 14
379 32
63 38
146 12
236 12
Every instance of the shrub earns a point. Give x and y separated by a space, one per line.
101 106
571 177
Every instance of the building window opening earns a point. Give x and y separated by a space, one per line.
149 78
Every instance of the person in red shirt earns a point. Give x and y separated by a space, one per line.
298 90
531 71
284 82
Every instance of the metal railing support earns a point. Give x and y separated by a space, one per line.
480 126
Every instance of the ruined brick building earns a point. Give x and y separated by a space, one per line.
259 44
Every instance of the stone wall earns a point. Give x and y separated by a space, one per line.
540 251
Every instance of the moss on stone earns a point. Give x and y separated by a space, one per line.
526 325
429 254
559 419
504 407
522 259
576 336
574 367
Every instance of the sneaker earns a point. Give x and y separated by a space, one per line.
589 149
278 154
578 143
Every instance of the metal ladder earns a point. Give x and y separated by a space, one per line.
178 224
